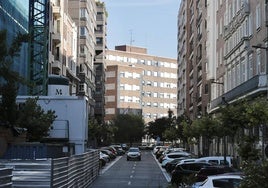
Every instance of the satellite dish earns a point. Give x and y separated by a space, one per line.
3 146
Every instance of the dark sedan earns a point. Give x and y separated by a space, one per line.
183 171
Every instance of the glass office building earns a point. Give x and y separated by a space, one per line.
14 19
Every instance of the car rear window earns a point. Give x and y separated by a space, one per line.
226 183
133 150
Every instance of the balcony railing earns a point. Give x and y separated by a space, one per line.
254 86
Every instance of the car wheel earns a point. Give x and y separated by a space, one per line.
127 159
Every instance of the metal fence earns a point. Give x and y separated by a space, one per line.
75 171
5 177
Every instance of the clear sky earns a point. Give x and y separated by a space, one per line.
145 23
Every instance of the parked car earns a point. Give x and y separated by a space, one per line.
119 149
185 170
174 155
134 153
146 146
223 180
213 170
124 147
105 157
171 164
109 153
217 160
159 149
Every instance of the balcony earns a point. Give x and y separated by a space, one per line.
56 38
56 65
56 11
253 87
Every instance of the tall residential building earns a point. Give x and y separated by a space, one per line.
84 14
139 83
182 57
197 96
100 64
14 18
237 56
241 67
62 44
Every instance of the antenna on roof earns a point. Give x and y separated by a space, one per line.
131 39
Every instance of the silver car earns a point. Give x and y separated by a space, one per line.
134 153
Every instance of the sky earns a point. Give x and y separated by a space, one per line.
150 24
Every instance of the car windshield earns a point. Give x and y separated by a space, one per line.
133 150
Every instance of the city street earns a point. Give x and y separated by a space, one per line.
122 173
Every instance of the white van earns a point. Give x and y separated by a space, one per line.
217 160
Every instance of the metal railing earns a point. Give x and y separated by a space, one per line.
5 177
75 171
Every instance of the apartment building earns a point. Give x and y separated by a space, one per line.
241 65
100 64
196 56
14 19
62 58
83 13
182 57
139 83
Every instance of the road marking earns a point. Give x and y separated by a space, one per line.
102 171
133 167
131 176
133 171
129 183
167 176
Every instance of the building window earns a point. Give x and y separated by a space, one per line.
99 40
258 16
81 87
250 66
83 31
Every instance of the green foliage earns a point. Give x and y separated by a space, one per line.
158 127
35 120
171 134
10 78
255 175
99 134
8 107
246 149
128 128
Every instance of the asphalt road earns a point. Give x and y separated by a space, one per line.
126 174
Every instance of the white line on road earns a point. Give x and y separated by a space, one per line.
167 176
129 183
102 171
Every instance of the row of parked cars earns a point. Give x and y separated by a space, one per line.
187 169
109 153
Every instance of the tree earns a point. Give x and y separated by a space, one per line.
99 134
128 128
35 120
255 175
239 120
207 129
11 79
157 128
